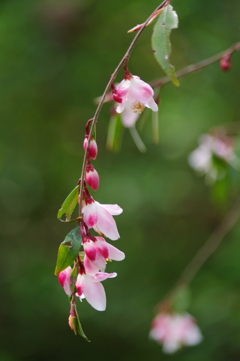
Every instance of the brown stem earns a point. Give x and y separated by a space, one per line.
124 61
204 252
192 68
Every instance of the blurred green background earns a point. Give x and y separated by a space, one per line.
56 57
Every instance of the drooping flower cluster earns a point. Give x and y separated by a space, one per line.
173 330
212 156
91 262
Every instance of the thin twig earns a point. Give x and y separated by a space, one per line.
192 68
203 254
99 107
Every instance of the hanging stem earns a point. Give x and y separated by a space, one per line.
124 62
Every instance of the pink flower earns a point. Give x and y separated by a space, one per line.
96 254
65 280
93 149
89 287
133 95
99 217
174 331
202 158
92 177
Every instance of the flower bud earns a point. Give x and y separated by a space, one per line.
93 149
65 280
92 177
225 62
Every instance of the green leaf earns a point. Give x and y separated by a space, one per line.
68 250
161 45
115 133
78 327
69 204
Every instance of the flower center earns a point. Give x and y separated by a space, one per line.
137 107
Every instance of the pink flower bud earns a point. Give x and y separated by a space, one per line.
225 62
65 280
93 149
92 177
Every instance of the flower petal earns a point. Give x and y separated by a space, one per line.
152 105
94 293
90 214
140 90
102 276
113 209
129 118
114 253
90 267
106 224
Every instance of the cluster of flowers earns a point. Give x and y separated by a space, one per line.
212 156
96 249
173 330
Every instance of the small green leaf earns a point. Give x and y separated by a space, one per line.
68 250
69 204
115 133
78 327
161 45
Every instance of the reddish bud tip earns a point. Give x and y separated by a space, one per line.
225 63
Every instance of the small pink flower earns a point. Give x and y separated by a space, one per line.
96 254
92 177
93 149
99 217
133 95
89 287
210 146
174 331
65 280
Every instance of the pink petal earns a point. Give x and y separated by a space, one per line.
90 214
90 267
102 245
65 280
106 224
140 90
90 249
102 276
114 253
122 88
113 209
129 118
120 107
94 293
152 105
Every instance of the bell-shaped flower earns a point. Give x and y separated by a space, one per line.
89 287
96 254
174 331
133 95
65 280
93 148
92 177
99 217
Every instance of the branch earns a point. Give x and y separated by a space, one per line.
192 68
205 251
124 61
